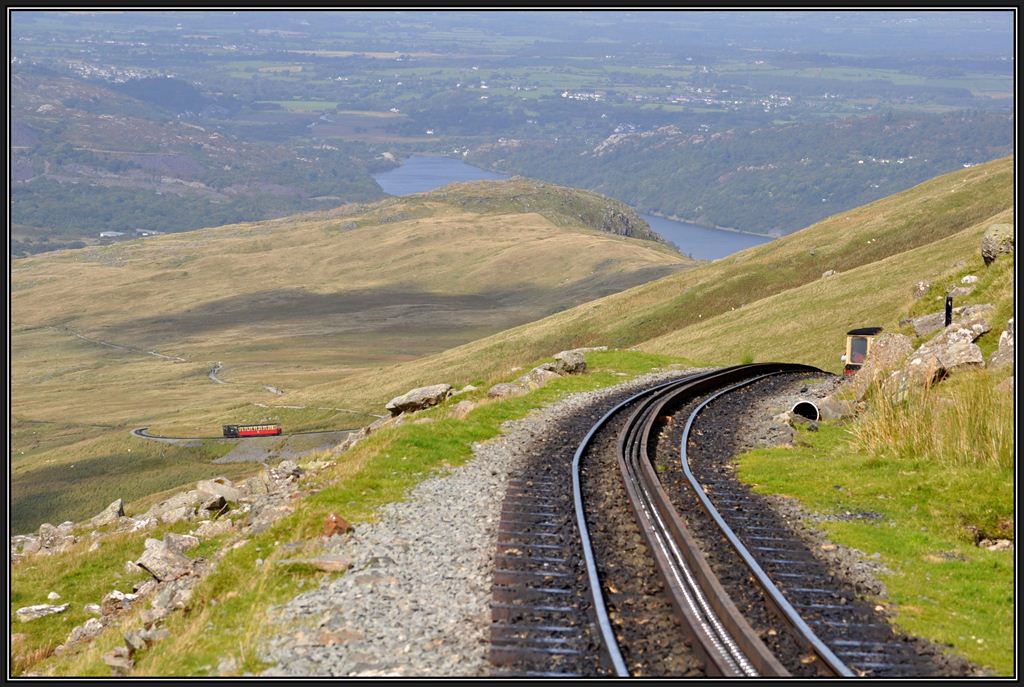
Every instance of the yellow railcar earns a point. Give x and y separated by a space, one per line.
858 346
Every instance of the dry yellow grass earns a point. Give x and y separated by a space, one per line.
288 304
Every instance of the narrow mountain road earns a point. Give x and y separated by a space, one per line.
121 347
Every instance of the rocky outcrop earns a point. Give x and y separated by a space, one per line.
921 288
163 561
933 322
998 240
181 506
565 363
418 399
108 515
952 349
1004 355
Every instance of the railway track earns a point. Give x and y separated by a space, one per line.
618 561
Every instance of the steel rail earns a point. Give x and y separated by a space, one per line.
611 644
722 637
784 609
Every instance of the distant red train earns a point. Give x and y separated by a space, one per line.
235 431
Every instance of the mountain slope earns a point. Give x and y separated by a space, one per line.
894 229
189 331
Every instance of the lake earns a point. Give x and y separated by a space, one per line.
421 173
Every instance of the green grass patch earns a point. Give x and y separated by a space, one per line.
941 586
117 466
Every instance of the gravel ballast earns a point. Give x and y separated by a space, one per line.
416 600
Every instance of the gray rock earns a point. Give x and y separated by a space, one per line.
24 545
998 240
218 486
828 273
461 409
85 632
152 636
213 504
28 613
1003 356
172 596
213 528
116 601
164 562
419 398
119 661
181 506
108 515
569 363
505 390
181 542
536 378
134 641
95 609
950 351
888 352
933 322
969 279
53 596
56 539
285 471
832 409
921 288
961 291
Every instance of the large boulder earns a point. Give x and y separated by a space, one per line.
418 399
569 363
888 352
218 486
998 240
1004 355
54 539
108 515
163 561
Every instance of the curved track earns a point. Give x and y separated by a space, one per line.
576 593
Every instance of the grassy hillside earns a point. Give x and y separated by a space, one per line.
769 302
788 310
107 338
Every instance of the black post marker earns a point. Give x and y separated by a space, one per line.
949 310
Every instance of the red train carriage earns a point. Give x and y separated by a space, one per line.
235 431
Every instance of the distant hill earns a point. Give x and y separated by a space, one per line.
768 302
111 337
772 179
88 156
